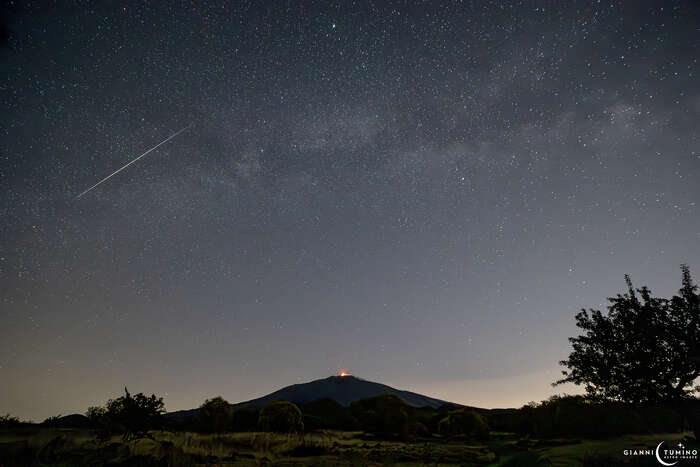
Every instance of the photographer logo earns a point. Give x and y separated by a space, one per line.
665 456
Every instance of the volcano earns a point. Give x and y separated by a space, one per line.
344 389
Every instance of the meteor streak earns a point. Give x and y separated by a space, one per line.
127 165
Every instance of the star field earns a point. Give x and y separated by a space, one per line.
423 193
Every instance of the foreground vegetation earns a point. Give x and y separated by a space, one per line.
29 446
380 430
46 446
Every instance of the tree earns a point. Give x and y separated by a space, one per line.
617 357
464 421
644 351
327 413
281 417
130 415
215 416
8 421
52 420
384 415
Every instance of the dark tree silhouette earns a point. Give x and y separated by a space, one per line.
645 350
384 415
464 421
215 416
131 415
8 421
281 417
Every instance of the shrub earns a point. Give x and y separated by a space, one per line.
413 429
8 421
281 417
444 426
577 416
214 416
52 420
383 415
464 422
327 413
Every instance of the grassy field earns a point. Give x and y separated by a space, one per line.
70 447
570 455
36 446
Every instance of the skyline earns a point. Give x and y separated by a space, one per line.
422 195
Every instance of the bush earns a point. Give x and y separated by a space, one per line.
465 422
430 417
214 416
8 421
444 426
281 417
52 421
130 415
327 413
413 429
384 415
577 416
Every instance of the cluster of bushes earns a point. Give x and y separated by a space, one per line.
387 416
578 416
8 421
384 416
133 416
327 414
217 416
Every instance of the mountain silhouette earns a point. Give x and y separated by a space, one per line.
342 389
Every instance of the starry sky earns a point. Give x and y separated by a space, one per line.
422 193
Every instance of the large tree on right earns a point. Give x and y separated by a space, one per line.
645 350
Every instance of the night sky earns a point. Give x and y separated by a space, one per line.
423 194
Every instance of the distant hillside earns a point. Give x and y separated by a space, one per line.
342 389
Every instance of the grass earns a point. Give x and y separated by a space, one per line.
326 448
572 455
44 446
53 446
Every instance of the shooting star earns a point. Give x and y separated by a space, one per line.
127 165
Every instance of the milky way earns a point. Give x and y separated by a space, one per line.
422 194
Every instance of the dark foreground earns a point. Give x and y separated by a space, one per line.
37 446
